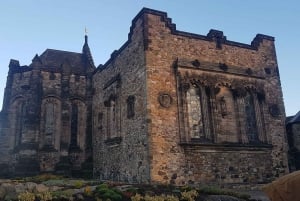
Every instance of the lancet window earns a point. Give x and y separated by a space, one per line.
74 126
219 113
197 115
20 123
49 124
251 125
112 116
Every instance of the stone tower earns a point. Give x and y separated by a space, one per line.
181 108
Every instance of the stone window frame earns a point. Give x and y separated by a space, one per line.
20 120
55 145
74 126
258 107
111 90
49 118
113 134
206 119
184 82
81 124
131 106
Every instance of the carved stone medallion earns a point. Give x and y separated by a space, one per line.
165 99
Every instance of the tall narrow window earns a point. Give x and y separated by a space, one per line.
113 121
251 127
49 124
100 120
20 121
194 113
130 106
74 126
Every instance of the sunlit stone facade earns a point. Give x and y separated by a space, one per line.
167 107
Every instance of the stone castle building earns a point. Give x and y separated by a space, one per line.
167 107
46 115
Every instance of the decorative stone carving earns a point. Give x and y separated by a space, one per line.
165 99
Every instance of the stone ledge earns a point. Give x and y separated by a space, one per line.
210 147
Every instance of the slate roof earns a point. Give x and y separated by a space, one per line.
58 60
55 58
293 119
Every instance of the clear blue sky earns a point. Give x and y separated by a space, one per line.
28 27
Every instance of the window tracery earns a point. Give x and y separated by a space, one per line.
220 113
251 125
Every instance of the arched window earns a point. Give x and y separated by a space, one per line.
130 107
20 123
113 120
74 126
251 126
49 123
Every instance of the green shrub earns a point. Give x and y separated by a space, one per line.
211 190
26 196
105 193
78 184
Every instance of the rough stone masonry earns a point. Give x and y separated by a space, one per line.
168 107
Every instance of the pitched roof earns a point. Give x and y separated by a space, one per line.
55 59
293 119
58 60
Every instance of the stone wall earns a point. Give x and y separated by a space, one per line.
167 107
36 121
120 134
233 165
255 63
